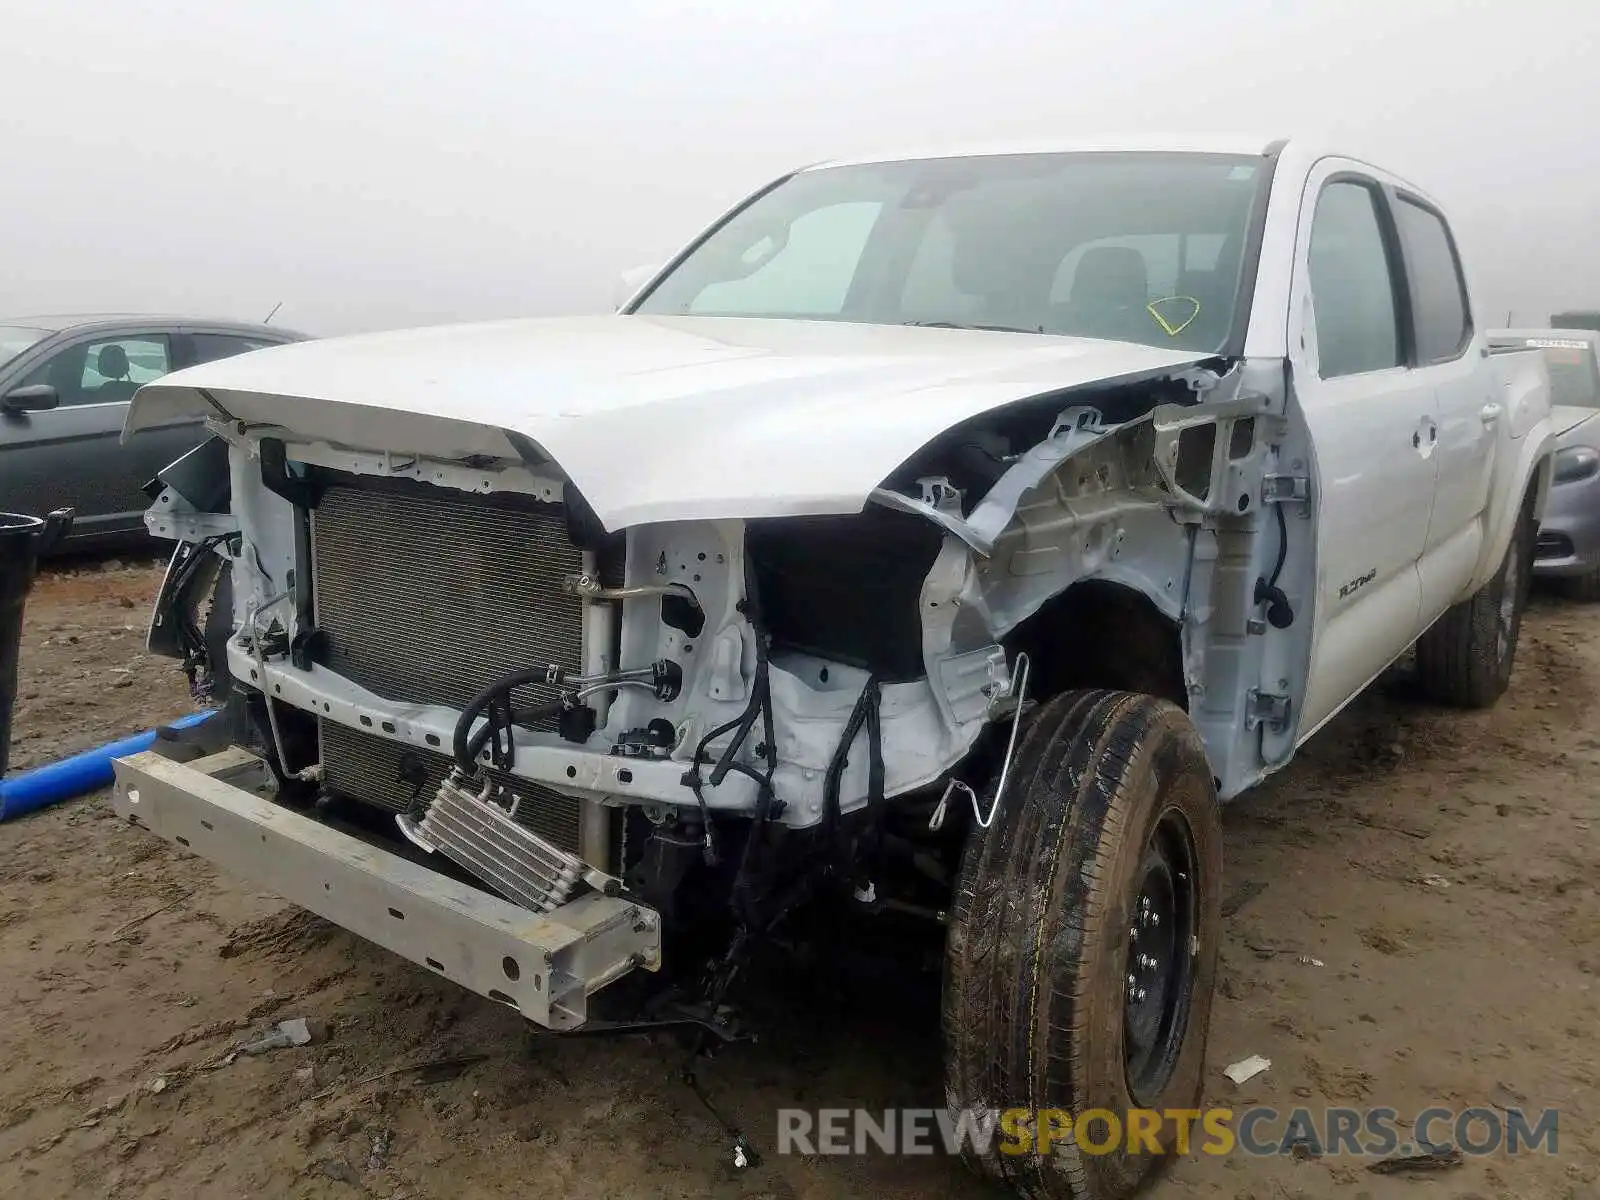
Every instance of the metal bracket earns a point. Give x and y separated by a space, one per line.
1019 692
174 519
939 494
1266 708
1286 489
936 821
1077 419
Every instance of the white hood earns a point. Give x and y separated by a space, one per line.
655 418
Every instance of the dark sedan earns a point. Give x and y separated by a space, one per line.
65 384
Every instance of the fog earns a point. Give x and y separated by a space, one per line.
373 165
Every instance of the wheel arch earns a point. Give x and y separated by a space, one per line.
1525 494
1102 634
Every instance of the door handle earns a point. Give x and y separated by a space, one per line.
1490 413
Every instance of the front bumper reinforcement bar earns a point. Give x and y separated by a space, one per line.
546 967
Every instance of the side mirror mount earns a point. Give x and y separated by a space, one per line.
631 280
36 397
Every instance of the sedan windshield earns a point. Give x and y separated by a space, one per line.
1132 247
14 339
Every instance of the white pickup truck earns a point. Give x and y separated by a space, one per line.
943 536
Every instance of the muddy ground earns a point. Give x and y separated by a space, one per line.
1416 924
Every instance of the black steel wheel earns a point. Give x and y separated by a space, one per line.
1159 983
1083 939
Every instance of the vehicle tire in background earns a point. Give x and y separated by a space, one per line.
235 718
1083 939
232 725
1580 587
1465 657
218 629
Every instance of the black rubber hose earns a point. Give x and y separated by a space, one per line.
744 902
1283 547
527 716
864 711
1280 615
758 688
760 704
461 745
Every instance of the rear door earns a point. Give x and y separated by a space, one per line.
1374 426
71 456
1451 355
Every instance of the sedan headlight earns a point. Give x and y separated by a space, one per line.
1576 463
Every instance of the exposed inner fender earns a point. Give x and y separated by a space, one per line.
1103 634
1091 500
1140 553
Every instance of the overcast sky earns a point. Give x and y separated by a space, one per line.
380 164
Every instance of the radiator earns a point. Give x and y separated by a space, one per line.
426 599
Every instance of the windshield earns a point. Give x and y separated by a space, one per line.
14 339
1133 247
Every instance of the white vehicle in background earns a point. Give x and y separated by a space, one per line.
940 536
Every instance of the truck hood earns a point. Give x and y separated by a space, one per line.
654 418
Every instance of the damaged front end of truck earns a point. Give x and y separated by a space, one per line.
536 750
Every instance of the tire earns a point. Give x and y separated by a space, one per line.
1580 587
218 630
1046 926
1465 657
232 725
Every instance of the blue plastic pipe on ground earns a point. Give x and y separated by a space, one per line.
47 785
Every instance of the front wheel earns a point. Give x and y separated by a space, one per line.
1083 947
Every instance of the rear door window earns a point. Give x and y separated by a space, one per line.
208 347
1438 292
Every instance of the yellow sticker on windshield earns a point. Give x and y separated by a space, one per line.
1169 322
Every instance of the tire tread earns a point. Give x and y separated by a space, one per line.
1035 891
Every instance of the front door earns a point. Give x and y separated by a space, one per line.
71 456
1374 425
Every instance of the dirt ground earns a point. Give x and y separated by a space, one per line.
1416 924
